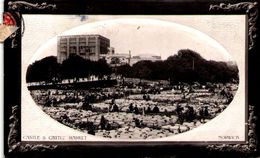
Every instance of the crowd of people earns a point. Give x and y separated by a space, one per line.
86 98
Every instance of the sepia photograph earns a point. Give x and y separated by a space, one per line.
134 78
148 78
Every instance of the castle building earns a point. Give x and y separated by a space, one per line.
86 46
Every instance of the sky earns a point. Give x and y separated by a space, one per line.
157 35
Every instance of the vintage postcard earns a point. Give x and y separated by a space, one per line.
102 78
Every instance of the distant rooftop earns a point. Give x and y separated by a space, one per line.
66 36
116 55
146 56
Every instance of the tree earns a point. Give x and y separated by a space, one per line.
75 67
46 69
185 66
142 69
158 70
189 66
125 70
101 68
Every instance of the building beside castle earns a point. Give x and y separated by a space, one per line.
94 47
86 46
141 57
117 59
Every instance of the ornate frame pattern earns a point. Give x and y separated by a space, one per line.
248 8
22 5
19 6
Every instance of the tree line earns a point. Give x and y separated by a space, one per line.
185 66
75 67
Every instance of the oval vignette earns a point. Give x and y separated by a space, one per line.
159 79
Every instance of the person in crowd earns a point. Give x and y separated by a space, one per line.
49 93
148 97
86 106
53 101
103 122
204 113
201 114
110 106
136 110
148 110
86 98
190 114
48 101
91 128
131 107
144 97
115 108
143 111
137 122
179 111
179 129
156 109
113 101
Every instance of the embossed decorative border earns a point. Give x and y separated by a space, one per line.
249 8
19 6
14 145
251 144
13 137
